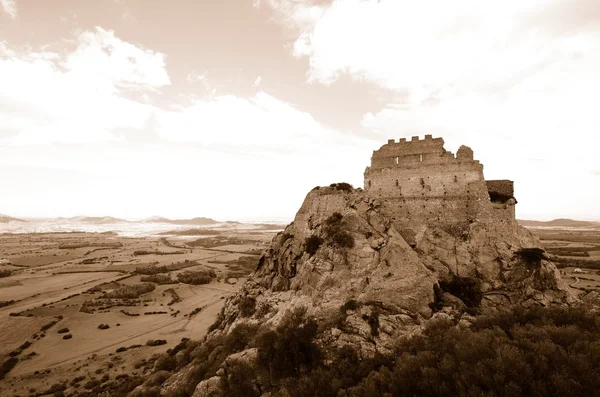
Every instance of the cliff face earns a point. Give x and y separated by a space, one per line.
343 254
398 271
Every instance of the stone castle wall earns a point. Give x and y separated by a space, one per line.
422 182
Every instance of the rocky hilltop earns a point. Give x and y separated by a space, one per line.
367 277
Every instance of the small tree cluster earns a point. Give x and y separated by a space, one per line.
197 277
160 279
290 347
130 291
247 306
335 232
343 186
312 244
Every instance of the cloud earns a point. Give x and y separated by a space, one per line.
78 96
103 57
259 124
10 7
195 76
128 16
403 45
300 15
514 80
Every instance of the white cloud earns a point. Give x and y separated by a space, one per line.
78 97
221 156
10 7
262 123
257 81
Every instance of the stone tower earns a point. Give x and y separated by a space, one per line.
424 183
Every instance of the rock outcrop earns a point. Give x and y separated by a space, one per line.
343 259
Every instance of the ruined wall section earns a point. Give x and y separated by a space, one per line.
420 182
500 190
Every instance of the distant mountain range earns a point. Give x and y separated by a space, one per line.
96 220
193 221
6 219
103 220
561 222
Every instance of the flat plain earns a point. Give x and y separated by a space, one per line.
576 252
81 308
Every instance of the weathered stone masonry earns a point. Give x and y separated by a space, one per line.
421 182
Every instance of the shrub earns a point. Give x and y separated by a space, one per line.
7 366
343 186
25 345
194 312
55 388
46 327
197 277
343 239
151 270
312 244
335 233
165 363
238 382
350 304
63 331
103 326
157 342
291 346
130 291
247 306
5 273
239 338
67 336
161 279
8 303
90 384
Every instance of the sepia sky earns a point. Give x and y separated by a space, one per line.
235 109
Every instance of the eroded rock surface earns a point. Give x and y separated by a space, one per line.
368 290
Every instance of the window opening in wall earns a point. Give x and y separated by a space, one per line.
420 157
396 182
369 183
396 159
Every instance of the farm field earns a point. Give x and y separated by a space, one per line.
576 253
81 308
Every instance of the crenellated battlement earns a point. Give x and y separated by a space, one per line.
418 151
415 138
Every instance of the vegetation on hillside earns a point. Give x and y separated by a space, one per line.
518 352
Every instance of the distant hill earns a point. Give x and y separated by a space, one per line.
6 219
561 222
96 220
193 221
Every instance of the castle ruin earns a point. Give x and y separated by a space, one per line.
421 182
